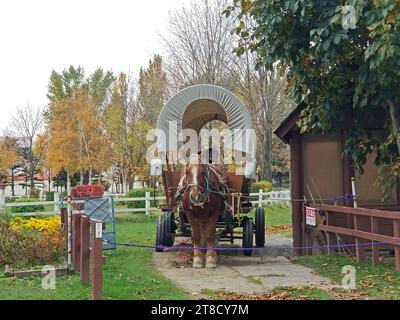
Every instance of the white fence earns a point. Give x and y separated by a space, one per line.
281 197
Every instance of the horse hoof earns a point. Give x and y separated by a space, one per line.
198 263
211 263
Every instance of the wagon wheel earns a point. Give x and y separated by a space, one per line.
260 227
247 236
160 235
169 229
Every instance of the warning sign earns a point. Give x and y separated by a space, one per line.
311 214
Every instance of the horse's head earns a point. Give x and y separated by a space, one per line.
196 180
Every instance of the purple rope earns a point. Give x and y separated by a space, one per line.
183 248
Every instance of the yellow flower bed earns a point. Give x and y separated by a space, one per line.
50 225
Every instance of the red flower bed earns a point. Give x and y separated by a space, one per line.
86 191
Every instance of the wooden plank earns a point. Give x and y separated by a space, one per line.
27 204
85 250
396 234
359 211
347 189
360 252
328 235
96 253
296 188
361 234
375 248
76 242
64 223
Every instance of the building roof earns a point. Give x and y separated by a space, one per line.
289 123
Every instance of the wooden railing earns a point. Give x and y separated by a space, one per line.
373 235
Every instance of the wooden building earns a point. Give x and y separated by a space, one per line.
321 174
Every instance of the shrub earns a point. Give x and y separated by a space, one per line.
34 193
27 209
28 242
136 193
106 185
88 191
266 186
50 195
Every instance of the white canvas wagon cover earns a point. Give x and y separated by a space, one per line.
197 105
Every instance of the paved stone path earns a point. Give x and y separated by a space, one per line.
264 270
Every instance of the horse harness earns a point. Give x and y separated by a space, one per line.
208 188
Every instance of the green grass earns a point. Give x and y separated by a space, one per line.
277 215
127 274
382 282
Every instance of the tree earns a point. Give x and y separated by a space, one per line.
42 147
26 125
120 114
8 158
76 140
99 83
87 97
343 59
199 44
63 85
263 92
152 90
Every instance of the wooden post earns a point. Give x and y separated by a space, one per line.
360 253
85 250
296 188
375 249
147 203
2 197
69 231
56 203
64 222
347 175
96 253
328 235
76 242
396 233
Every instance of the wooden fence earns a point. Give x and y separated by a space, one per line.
373 235
281 197
86 250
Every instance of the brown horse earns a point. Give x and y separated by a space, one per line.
203 200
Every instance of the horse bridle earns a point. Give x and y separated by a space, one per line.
205 190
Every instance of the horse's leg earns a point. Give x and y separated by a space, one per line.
211 257
196 236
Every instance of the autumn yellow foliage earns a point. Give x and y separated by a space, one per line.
76 138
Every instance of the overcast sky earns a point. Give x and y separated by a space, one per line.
37 36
